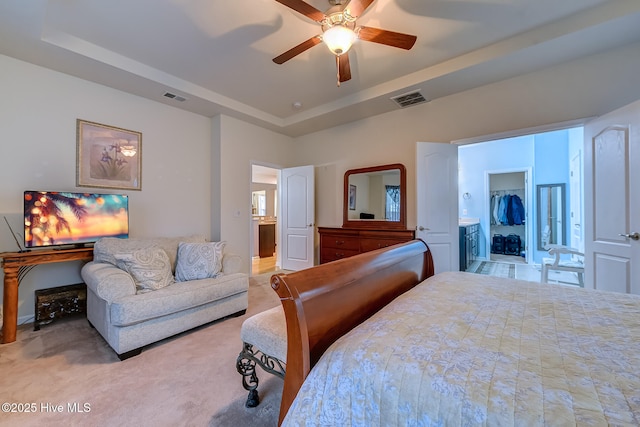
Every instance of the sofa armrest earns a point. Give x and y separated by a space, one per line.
231 263
107 281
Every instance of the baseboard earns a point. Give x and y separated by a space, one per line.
26 319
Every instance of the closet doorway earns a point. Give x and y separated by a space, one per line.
508 219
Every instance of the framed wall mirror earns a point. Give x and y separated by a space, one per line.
375 197
551 208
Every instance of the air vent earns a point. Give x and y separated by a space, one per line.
174 96
409 99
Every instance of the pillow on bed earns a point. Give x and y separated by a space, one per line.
150 268
199 260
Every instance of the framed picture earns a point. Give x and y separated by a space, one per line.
107 156
352 197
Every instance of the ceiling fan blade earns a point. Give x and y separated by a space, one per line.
390 38
305 45
304 8
344 69
357 7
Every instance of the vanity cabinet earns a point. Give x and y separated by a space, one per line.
339 242
469 235
267 240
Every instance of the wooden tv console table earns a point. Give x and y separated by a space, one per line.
16 265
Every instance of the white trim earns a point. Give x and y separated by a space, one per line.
523 132
528 188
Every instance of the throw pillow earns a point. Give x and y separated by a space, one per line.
199 260
150 268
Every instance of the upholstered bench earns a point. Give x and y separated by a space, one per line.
264 343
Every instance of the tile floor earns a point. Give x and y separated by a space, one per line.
531 272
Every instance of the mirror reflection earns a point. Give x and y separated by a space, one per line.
259 203
551 228
374 196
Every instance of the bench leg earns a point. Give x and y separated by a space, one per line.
246 366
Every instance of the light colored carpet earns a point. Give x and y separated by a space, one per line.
186 380
499 269
236 414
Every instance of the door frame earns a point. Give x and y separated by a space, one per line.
278 168
528 194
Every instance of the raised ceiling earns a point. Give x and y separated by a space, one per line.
218 54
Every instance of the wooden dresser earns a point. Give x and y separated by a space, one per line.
340 242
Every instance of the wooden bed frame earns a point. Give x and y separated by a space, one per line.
323 303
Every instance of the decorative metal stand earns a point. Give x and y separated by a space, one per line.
246 366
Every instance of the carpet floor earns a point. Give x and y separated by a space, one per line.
65 374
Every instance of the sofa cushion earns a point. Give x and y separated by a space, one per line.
105 248
199 260
177 297
150 268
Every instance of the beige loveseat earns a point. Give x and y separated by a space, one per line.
134 299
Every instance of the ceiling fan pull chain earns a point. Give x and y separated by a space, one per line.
338 69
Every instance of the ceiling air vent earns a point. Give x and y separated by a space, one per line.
174 96
409 99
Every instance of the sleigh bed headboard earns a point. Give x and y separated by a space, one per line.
323 303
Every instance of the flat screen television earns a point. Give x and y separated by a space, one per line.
59 218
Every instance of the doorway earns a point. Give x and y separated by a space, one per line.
545 159
264 219
509 230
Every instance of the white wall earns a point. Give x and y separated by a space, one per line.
240 145
38 112
582 88
204 164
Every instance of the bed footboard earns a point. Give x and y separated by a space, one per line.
323 303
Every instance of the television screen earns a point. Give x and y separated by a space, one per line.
58 218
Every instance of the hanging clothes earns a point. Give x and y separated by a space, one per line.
502 210
517 210
494 210
506 209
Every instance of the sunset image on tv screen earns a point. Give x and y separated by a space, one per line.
58 218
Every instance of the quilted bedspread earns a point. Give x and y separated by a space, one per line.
463 349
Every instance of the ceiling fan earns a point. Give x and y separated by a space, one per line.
339 31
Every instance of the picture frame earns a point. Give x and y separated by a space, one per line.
352 197
108 156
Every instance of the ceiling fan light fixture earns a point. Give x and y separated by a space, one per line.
339 39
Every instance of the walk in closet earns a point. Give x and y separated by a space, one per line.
508 216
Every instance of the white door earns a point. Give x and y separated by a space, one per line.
298 217
437 201
612 201
575 202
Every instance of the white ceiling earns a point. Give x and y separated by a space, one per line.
218 54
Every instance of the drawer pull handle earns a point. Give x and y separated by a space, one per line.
339 242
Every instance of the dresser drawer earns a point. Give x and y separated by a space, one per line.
372 244
332 254
338 243
349 243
